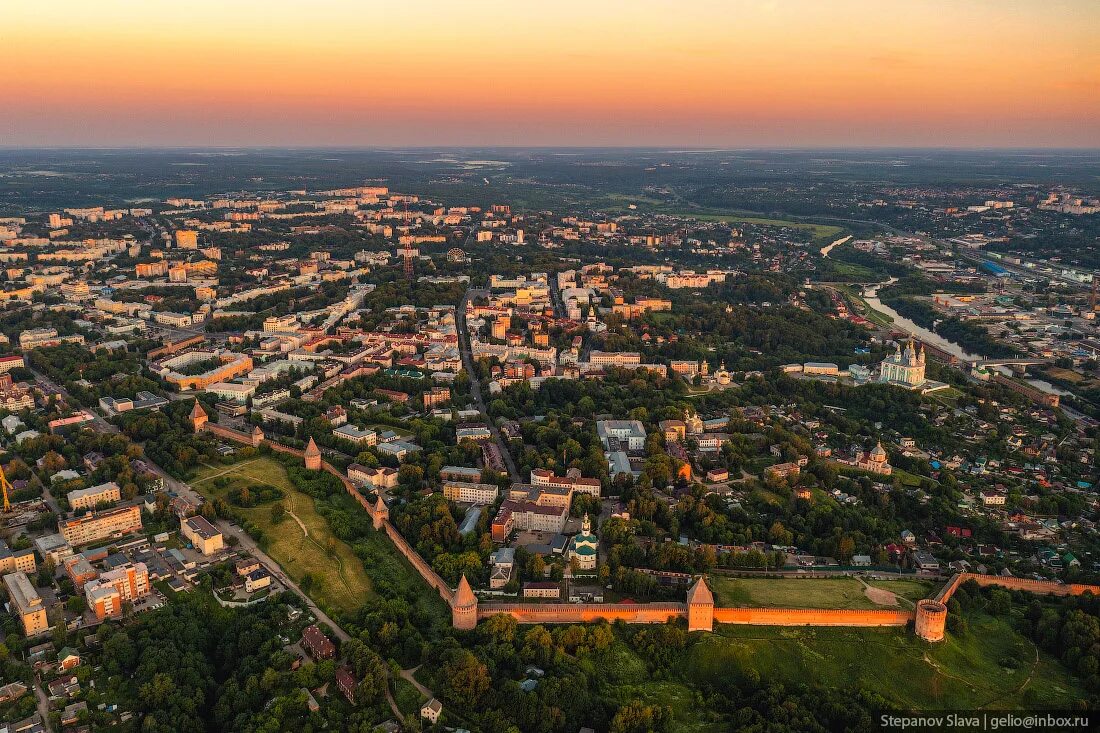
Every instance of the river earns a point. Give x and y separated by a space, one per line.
870 294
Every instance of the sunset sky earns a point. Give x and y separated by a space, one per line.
727 73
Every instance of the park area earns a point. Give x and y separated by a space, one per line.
990 665
301 542
843 593
819 231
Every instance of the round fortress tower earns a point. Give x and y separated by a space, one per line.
312 456
931 620
464 607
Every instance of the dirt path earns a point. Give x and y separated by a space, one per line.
315 543
301 524
408 675
883 597
231 469
305 530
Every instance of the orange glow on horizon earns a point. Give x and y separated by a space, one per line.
700 72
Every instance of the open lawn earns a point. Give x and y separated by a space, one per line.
849 270
990 666
302 542
914 590
768 496
949 396
380 428
910 479
818 230
790 592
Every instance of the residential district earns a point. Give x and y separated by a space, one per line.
373 416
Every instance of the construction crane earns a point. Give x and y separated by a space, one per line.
6 487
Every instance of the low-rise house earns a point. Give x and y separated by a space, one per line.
345 682
256 580
541 589
924 561
317 644
431 711
359 436
67 658
11 692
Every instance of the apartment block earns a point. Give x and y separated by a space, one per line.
131 580
100 526
27 603
16 561
103 599
470 493
93 496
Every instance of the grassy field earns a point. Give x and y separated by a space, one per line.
909 479
790 592
768 496
818 230
914 590
849 270
1067 374
340 580
990 666
949 397
626 677
380 428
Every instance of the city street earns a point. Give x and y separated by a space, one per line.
475 385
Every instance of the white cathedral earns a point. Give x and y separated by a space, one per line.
905 367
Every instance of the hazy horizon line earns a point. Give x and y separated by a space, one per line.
674 148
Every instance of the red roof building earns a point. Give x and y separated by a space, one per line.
317 644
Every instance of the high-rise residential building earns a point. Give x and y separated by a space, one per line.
187 239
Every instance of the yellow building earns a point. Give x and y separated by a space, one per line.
27 603
18 561
94 527
187 239
204 536
93 496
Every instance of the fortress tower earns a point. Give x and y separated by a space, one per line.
381 514
257 436
198 417
700 604
931 620
464 607
312 456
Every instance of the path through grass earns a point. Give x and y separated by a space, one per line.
301 543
